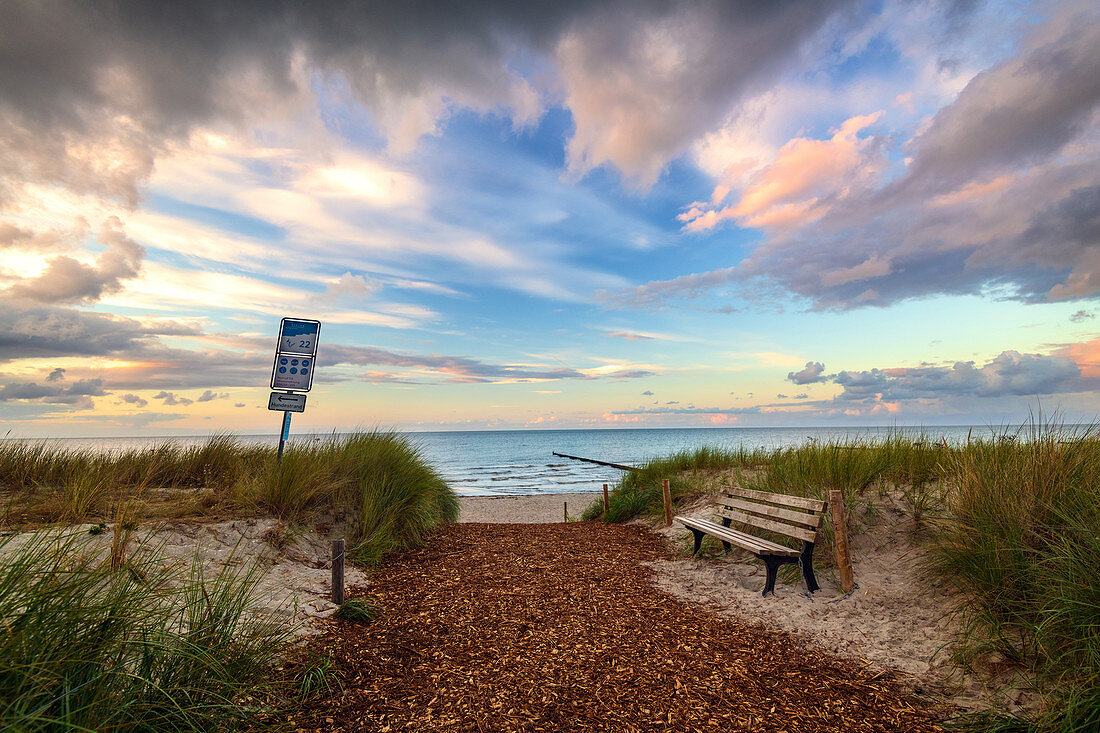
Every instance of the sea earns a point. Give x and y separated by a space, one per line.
512 462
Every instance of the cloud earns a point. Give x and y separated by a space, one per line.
114 86
631 374
666 78
132 399
238 404
629 336
77 395
647 393
67 280
1010 374
801 183
349 287
170 399
56 375
998 190
781 397
809 374
210 396
1082 315
50 331
801 396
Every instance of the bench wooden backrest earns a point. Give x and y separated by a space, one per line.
773 512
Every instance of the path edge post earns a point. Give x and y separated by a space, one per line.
667 492
840 540
338 572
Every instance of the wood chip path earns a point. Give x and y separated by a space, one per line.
557 627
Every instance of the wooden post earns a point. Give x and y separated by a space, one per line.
668 501
338 572
840 539
565 511
606 501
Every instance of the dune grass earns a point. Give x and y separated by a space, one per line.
89 642
376 483
1020 536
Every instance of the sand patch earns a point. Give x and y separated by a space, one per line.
295 562
528 509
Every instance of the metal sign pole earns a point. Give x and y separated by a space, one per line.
284 434
292 370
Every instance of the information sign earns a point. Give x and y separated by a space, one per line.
286 402
295 355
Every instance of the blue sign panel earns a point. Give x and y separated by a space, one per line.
295 353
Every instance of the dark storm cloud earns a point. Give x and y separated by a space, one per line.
90 92
56 375
809 374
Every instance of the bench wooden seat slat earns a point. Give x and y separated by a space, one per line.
747 541
813 521
793 516
799 533
812 505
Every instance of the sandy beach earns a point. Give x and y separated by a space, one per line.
527 509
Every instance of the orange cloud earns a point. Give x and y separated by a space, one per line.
788 192
1086 355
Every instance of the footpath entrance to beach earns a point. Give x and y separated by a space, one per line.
555 627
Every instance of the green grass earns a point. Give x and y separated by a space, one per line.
1021 537
87 644
376 484
360 610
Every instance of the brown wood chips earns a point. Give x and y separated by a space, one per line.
557 627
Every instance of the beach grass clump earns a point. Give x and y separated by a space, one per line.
376 483
400 496
1021 538
91 644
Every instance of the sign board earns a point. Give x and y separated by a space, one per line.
286 402
298 336
295 355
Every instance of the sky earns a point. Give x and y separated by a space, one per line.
516 215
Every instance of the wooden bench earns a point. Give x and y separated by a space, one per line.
793 516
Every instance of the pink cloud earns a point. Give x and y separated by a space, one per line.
793 189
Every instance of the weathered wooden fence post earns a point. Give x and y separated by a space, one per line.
606 501
840 539
565 511
338 572
668 501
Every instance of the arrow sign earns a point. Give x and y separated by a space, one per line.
286 402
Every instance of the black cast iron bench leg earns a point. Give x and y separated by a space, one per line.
806 560
772 563
698 540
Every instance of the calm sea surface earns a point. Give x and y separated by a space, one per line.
484 463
